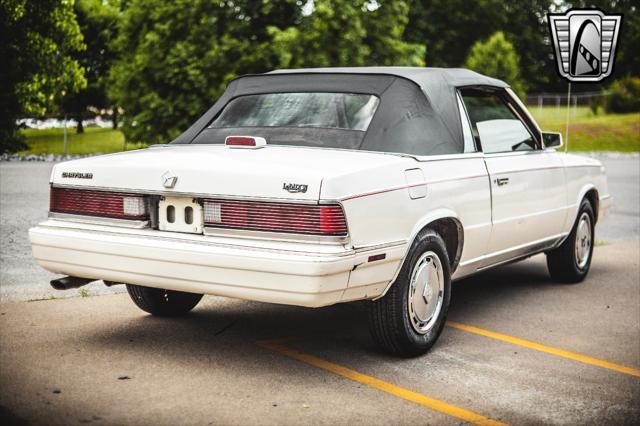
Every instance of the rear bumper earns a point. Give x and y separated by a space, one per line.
288 273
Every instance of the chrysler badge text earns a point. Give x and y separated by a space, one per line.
77 175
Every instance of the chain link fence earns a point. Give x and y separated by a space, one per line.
537 102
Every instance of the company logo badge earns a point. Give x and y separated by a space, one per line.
294 187
77 175
169 179
584 41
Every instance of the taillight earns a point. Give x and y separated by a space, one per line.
327 219
98 203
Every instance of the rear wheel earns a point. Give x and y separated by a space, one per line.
408 320
160 302
570 262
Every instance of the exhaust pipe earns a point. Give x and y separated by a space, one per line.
65 283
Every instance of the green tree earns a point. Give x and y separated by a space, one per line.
449 28
175 58
526 27
624 96
348 33
98 22
38 40
496 57
386 26
332 35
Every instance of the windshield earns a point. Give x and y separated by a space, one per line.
347 111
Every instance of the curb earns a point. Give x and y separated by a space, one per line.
50 158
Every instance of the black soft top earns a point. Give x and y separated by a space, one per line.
418 111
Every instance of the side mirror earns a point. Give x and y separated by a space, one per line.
552 139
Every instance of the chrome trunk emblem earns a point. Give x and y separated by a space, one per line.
169 179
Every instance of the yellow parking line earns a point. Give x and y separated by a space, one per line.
547 349
434 404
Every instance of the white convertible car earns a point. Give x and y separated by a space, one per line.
322 186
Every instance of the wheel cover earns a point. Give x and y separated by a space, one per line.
583 241
426 292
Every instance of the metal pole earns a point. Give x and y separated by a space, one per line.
566 134
65 135
539 107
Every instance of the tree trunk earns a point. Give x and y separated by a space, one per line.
79 127
114 117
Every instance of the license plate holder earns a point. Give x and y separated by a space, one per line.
180 214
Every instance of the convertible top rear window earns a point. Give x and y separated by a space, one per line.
347 111
370 112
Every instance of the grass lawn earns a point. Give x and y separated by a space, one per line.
93 140
587 132
590 132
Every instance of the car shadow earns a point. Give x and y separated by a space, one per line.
226 326
500 285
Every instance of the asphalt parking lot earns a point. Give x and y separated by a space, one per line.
518 348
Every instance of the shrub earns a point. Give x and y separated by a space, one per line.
625 96
496 57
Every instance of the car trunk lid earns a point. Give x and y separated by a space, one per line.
273 172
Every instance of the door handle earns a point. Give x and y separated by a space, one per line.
501 181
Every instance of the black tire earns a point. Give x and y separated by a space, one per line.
563 262
160 302
389 317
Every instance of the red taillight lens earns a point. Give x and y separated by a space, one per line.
98 203
245 142
326 219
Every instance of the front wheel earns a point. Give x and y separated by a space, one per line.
570 262
408 320
160 302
